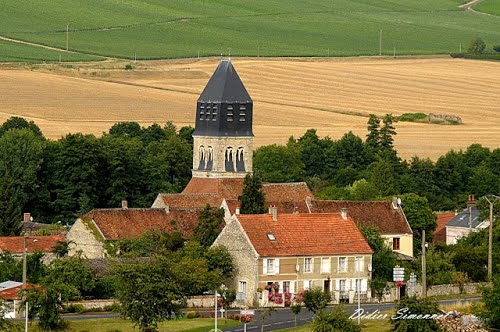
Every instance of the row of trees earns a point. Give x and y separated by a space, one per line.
349 168
59 180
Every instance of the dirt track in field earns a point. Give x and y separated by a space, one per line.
290 96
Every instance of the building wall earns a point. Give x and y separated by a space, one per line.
301 280
405 243
245 259
219 146
455 233
82 237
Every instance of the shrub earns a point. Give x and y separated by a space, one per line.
316 300
192 314
336 320
74 308
237 317
476 46
416 306
128 66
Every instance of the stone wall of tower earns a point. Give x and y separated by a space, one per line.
214 156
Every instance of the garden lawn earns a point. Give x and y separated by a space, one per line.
151 29
117 324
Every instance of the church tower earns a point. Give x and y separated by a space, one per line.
223 137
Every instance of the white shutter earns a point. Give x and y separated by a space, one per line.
312 264
264 266
280 283
292 287
337 285
277 266
306 284
364 285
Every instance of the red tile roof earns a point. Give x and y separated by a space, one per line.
380 214
192 200
304 234
13 293
227 188
440 231
15 244
118 224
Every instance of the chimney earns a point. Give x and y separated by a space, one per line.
343 213
237 210
270 209
274 212
26 217
167 209
124 204
395 203
295 210
471 202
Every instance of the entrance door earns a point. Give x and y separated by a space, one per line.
326 285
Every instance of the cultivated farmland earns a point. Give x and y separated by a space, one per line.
149 29
290 96
489 6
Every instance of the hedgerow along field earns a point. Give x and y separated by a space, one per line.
290 96
151 29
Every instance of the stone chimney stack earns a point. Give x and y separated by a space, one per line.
274 212
124 204
237 210
343 213
295 210
471 202
26 217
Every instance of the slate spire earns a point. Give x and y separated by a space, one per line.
224 108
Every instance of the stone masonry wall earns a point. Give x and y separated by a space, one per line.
82 239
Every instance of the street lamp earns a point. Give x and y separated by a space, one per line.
490 199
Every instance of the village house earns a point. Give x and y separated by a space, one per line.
10 293
387 217
92 230
284 254
465 222
16 244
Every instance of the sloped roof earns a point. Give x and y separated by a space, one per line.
229 188
225 86
9 284
381 214
15 244
13 293
440 231
304 234
192 200
119 224
462 219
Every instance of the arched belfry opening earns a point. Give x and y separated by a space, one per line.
229 160
201 156
240 160
210 158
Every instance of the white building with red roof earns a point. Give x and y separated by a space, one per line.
295 252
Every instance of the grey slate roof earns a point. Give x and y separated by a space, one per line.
225 86
462 219
9 284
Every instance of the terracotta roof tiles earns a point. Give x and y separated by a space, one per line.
304 234
15 244
440 231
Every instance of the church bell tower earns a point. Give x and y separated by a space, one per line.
223 137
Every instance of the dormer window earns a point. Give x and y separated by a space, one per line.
271 237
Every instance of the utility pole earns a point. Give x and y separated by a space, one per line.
25 267
67 37
424 268
215 312
380 44
490 237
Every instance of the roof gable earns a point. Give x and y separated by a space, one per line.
303 234
380 214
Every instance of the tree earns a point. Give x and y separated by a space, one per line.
373 136
383 259
383 177
226 297
415 306
491 298
316 300
16 122
149 292
127 129
476 46
496 48
362 190
380 287
20 159
387 132
209 225
335 320
277 163
419 216
252 198
46 304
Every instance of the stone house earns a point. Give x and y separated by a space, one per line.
387 216
92 230
294 252
465 222
45 244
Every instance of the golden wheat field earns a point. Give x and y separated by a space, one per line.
290 96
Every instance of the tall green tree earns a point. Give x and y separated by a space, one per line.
209 225
21 153
16 122
477 46
491 298
373 136
384 177
127 129
277 163
46 304
252 198
384 259
387 132
419 216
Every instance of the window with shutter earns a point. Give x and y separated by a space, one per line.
308 265
325 265
264 266
277 266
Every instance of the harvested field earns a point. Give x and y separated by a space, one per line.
290 96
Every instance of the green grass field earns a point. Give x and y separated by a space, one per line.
489 6
152 29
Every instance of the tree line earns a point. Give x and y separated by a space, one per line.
58 180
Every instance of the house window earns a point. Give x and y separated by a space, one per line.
359 264
308 284
325 265
286 286
270 266
342 286
308 265
342 264
243 287
395 243
271 237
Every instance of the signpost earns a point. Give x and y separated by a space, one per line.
246 312
398 276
